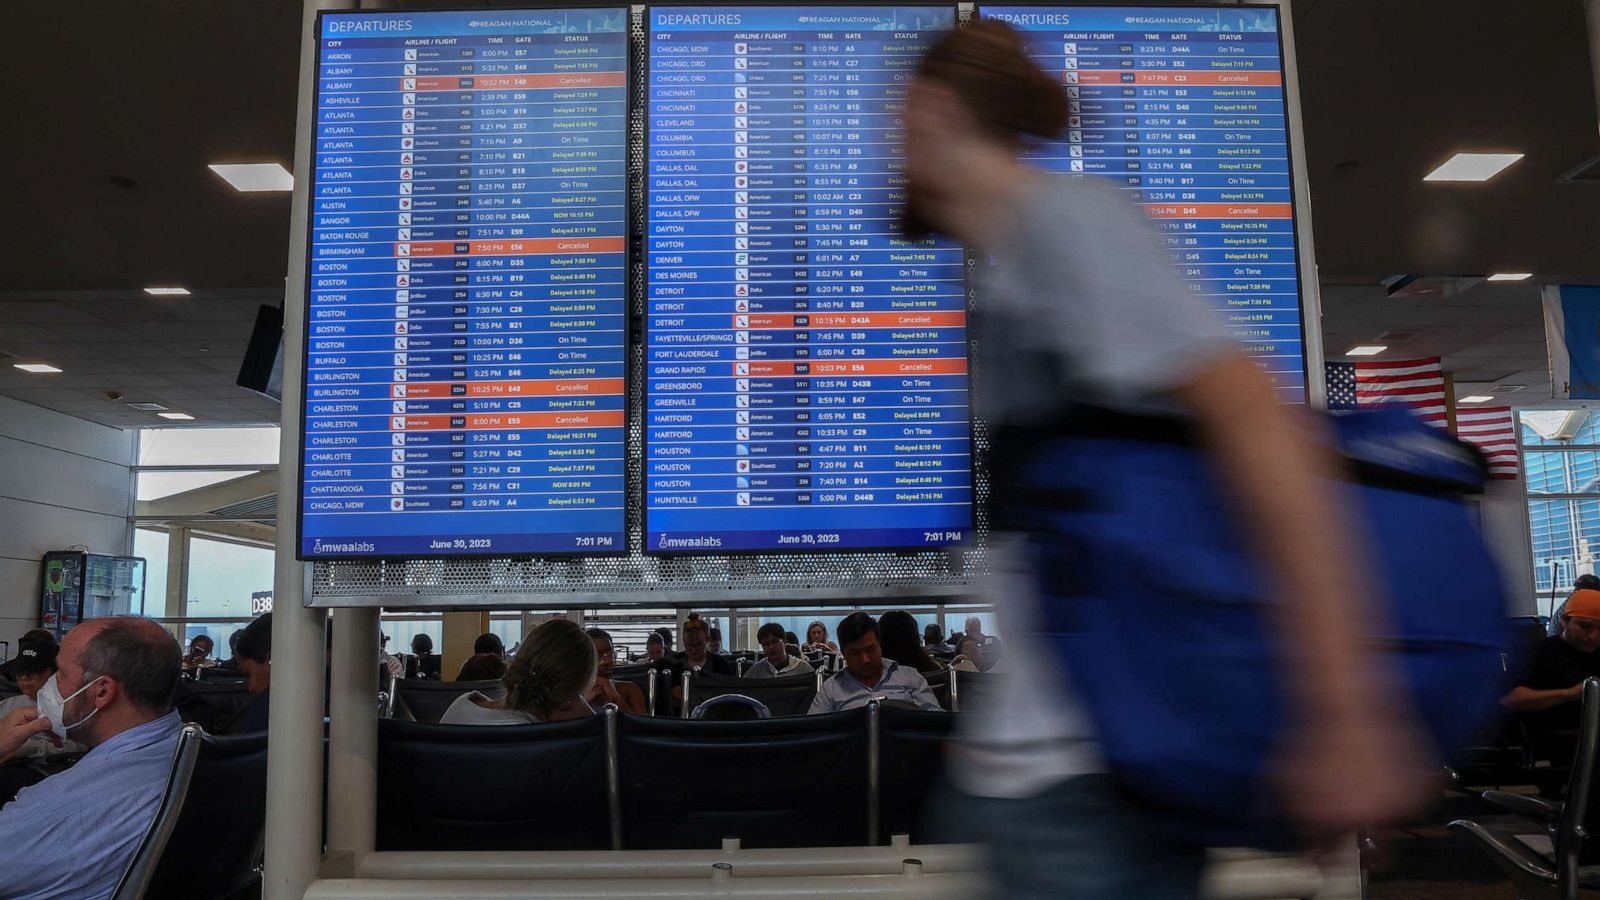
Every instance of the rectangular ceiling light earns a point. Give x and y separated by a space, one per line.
167 291
1511 276
1476 398
37 368
182 417
249 177
1366 350
1473 167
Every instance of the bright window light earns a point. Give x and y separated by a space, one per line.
1473 167
167 291
1511 276
38 368
182 417
1476 398
1366 350
249 177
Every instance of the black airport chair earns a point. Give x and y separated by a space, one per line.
206 840
970 691
790 782
789 695
505 787
425 700
215 847
224 701
1556 874
911 752
940 683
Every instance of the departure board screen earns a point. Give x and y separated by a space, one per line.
466 314
1185 107
806 366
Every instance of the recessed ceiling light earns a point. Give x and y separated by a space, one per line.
256 176
1476 398
167 291
37 368
183 417
1473 167
1366 350
1511 276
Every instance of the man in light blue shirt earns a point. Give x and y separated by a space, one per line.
73 834
867 674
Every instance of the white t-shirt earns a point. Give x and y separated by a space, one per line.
466 711
1082 304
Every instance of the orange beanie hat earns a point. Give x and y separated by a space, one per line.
1584 604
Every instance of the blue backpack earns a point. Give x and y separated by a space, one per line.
1156 608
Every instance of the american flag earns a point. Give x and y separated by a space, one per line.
1418 383
1491 429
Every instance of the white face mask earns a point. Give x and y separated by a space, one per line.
53 706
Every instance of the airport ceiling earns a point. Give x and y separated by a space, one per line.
117 106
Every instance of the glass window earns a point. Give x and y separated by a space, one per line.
1563 472
402 629
223 575
208 446
152 545
957 621
508 630
219 632
156 485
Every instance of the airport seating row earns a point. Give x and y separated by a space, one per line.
620 781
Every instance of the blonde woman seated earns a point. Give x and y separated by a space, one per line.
546 682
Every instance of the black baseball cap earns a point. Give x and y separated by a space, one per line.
35 656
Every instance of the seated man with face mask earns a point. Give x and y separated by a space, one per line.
73 834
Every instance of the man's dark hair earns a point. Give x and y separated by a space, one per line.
483 667
655 638
716 634
144 658
771 629
791 638
855 626
488 642
666 636
422 645
1587 583
255 641
596 634
233 641
933 634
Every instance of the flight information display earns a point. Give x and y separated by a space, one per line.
466 311
1185 107
806 366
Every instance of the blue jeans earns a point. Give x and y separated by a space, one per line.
1079 840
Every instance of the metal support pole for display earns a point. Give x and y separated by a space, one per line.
353 734
294 755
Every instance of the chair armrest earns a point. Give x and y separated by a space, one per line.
1509 851
1538 809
